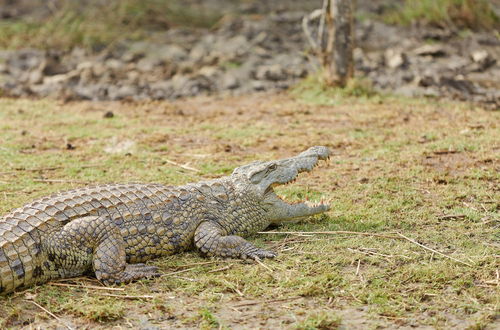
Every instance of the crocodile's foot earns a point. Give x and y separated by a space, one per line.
132 272
252 252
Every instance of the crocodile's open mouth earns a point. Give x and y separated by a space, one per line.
298 208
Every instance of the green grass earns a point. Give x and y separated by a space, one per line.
314 90
462 14
96 24
426 169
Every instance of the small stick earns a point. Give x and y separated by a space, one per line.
452 216
305 27
265 301
41 169
357 268
94 287
74 279
31 170
182 166
326 233
432 250
179 271
51 314
238 292
186 278
371 253
124 296
234 309
263 265
61 181
220 269
355 298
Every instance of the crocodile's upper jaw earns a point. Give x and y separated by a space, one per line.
264 176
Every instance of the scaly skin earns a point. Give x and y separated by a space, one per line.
109 230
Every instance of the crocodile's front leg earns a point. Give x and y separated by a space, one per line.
210 239
93 243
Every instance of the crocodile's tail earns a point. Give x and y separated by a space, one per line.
17 263
5 272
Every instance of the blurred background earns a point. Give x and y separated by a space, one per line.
153 49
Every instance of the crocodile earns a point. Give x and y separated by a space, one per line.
110 230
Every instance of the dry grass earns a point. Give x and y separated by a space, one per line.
426 169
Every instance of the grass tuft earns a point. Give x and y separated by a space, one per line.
320 321
462 14
314 90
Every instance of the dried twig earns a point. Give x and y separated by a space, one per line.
179 271
263 265
93 287
16 170
124 296
51 314
265 301
432 250
186 167
305 26
373 253
451 216
43 169
327 233
61 181
357 268
186 278
220 269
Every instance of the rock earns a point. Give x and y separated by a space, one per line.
455 62
229 81
122 92
148 64
394 58
479 55
425 81
161 90
114 64
170 53
98 69
62 78
190 85
273 72
35 77
209 71
53 65
459 84
434 50
258 85
431 92
91 92
233 47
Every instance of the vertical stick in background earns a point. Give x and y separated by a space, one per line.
338 58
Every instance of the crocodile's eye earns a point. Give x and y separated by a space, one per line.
273 167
